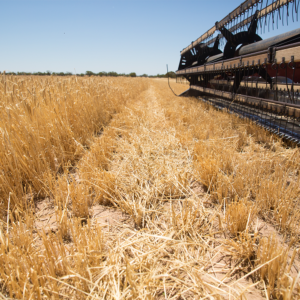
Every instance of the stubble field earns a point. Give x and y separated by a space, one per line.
113 188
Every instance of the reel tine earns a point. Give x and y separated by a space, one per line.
265 18
242 17
279 12
273 14
287 14
260 21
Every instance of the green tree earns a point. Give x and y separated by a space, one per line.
89 73
102 74
112 74
170 75
132 74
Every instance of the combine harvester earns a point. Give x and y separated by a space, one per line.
257 79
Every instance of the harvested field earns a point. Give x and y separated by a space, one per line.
117 189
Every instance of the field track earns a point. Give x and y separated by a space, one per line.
171 199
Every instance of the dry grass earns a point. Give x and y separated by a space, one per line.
196 185
48 123
236 160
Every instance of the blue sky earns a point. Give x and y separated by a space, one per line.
125 36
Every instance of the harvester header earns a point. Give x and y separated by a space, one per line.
231 66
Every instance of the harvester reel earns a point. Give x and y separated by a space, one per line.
242 38
207 52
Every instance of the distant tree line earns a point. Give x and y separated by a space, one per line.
90 73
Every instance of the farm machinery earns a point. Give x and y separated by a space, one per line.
231 66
